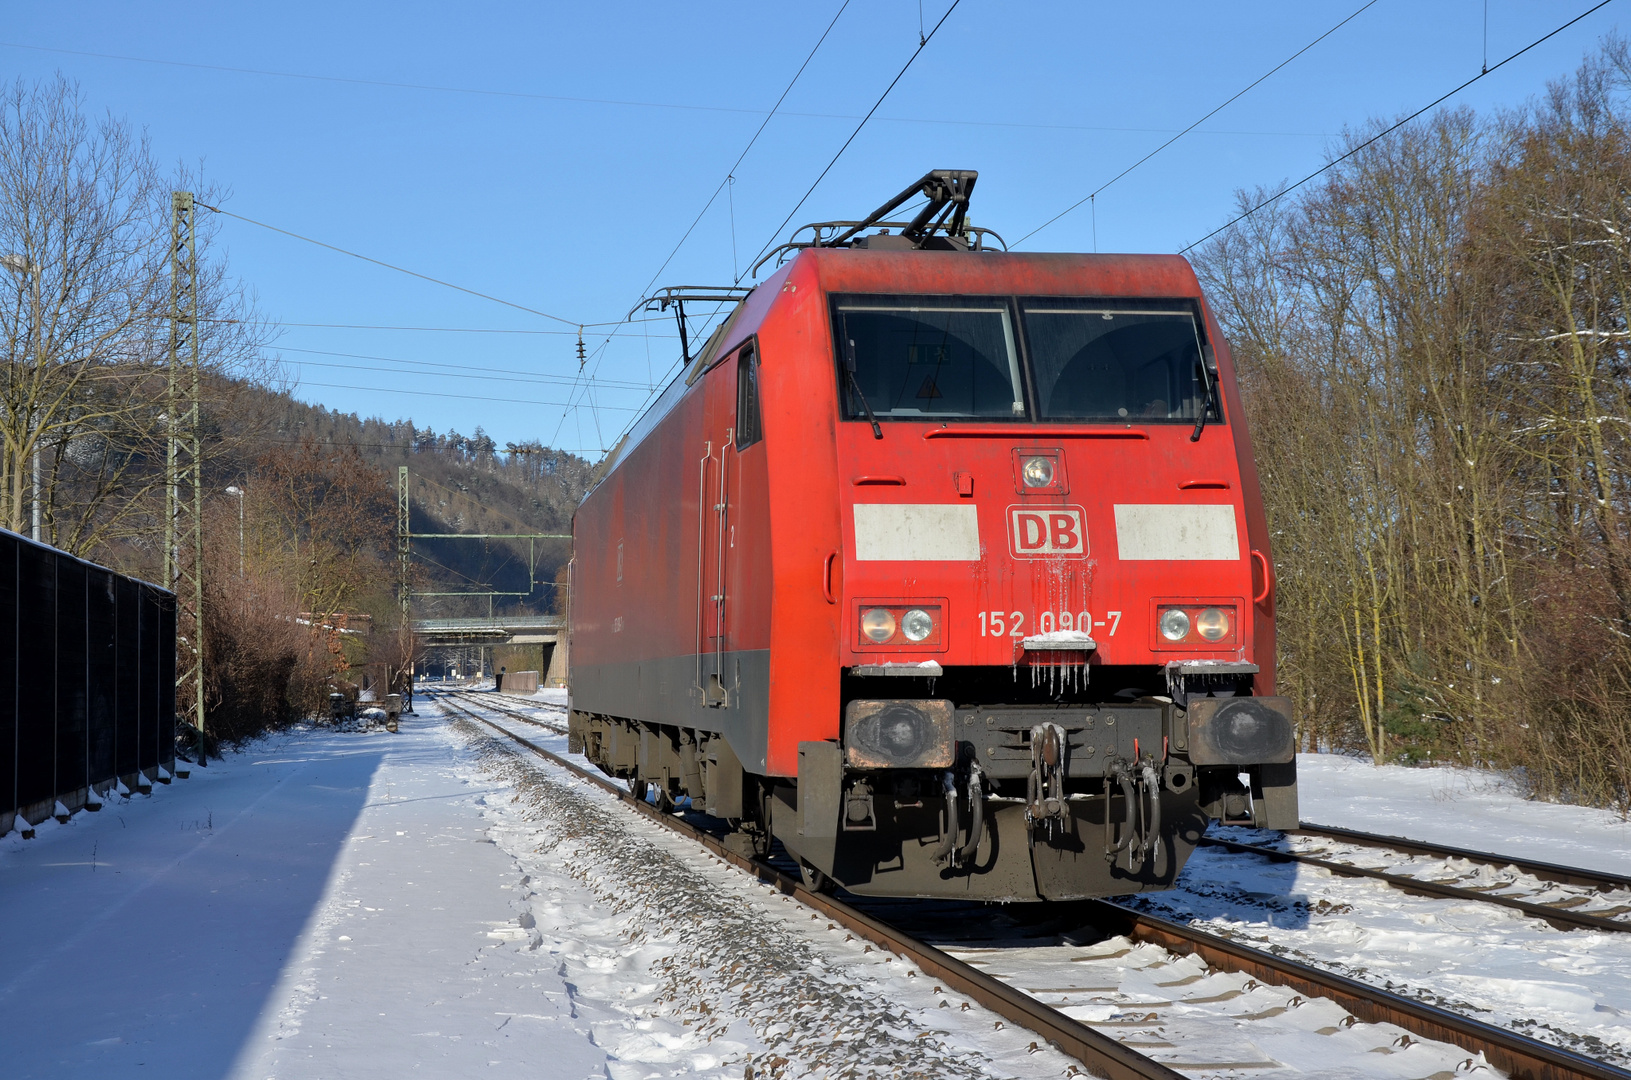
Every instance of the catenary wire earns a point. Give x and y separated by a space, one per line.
405 447
526 376
1236 97
523 95
494 511
465 397
460 329
923 43
729 173
1237 219
510 380
393 266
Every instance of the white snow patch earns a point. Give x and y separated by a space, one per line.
1462 807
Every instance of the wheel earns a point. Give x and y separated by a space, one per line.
665 800
814 879
638 789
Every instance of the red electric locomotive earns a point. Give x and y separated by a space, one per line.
944 566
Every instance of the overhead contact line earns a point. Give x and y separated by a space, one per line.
1096 192
729 176
462 397
393 266
923 43
1390 129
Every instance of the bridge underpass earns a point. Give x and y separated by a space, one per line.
488 632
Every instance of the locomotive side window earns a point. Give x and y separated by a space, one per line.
1116 361
749 425
922 357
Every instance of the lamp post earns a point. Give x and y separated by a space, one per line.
19 264
238 493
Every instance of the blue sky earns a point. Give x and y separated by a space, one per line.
553 155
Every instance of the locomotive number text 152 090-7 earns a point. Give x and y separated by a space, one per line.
1013 623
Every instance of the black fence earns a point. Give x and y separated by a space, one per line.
87 680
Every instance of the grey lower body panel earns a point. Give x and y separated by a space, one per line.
667 691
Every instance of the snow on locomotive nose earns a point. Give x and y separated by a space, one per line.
946 567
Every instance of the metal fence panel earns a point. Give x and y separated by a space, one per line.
87 657
101 643
70 677
8 672
149 704
127 676
36 674
165 646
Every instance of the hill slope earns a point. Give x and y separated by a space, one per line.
457 484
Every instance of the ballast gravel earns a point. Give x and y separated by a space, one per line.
694 968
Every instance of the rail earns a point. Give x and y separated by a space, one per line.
1561 918
1563 875
1517 1055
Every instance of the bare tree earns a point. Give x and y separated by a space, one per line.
84 303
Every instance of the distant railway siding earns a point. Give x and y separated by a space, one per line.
1461 954
1566 897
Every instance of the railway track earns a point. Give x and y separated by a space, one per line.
1176 957
1554 894
483 700
1578 886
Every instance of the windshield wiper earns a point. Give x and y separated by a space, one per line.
849 370
1207 371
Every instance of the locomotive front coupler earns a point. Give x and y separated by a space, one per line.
1045 786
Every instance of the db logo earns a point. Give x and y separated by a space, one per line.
1050 530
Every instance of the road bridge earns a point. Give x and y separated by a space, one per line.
490 630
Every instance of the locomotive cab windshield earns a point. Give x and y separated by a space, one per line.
904 357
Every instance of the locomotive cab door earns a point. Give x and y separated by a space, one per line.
731 422
713 530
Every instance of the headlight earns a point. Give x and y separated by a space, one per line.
1037 471
879 625
887 624
916 624
1196 625
1211 623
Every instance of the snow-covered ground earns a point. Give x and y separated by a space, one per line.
1572 988
367 905
319 905
370 905
1461 807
